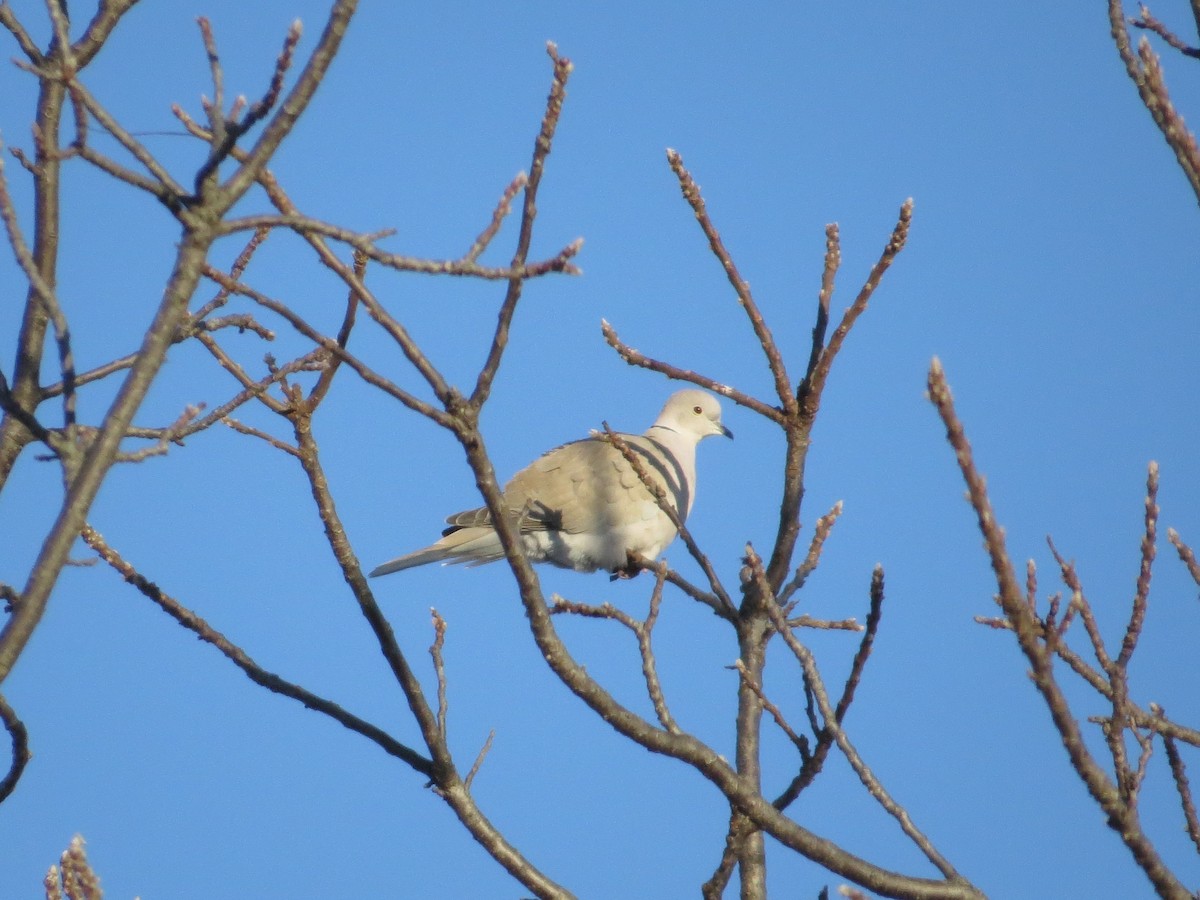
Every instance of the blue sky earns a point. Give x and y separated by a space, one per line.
1051 266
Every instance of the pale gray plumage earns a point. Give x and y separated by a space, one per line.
582 506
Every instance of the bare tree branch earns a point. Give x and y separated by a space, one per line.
1122 817
1146 73
541 149
1150 23
242 660
691 193
20 749
1185 553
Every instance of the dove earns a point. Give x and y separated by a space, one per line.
582 506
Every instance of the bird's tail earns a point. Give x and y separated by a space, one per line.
469 546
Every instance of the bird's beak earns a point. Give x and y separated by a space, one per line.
725 431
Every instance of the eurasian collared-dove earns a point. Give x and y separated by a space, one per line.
582 506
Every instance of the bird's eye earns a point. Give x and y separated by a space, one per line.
696 410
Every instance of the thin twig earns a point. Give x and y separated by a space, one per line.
235 272
478 764
251 431
171 434
643 631
691 193
499 214
709 599
365 242
226 131
799 741
1185 553
635 358
833 259
1080 605
814 382
20 749
239 658
1182 785
807 621
874 616
439 668
331 345
1148 22
162 185
1141 598
27 44
1145 72
823 527
325 380
541 149
45 294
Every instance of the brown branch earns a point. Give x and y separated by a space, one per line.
1027 629
108 15
242 660
478 764
20 749
101 452
811 388
442 773
162 185
227 130
234 368
833 259
240 263
800 742
250 431
874 616
712 601
321 388
332 346
1185 553
44 293
171 434
309 362
634 358
1179 776
691 193
1151 721
820 533
541 149
10 21
807 621
1137 617
1079 604
816 760
1146 74
439 669
197 323
1149 23
365 243
642 630
294 104
501 212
